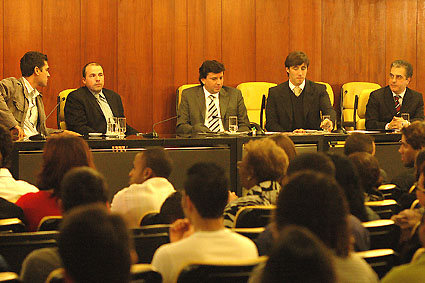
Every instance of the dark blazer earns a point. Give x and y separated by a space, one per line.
279 112
380 108
191 112
84 115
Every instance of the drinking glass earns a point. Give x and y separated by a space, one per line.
325 127
122 127
112 126
233 124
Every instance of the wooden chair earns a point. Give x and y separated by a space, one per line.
381 260
253 216
384 234
49 223
12 225
384 208
251 233
9 277
235 272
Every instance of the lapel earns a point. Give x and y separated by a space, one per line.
286 97
108 97
224 102
406 99
92 101
389 101
200 100
308 98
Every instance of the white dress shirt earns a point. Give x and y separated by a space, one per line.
31 119
217 104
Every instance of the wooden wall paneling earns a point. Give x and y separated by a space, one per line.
369 43
180 45
164 63
419 73
271 40
238 41
20 36
99 30
213 31
400 39
2 66
61 43
305 33
134 57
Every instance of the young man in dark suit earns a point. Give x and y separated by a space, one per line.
297 104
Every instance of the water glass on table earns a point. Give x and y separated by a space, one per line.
233 124
325 125
122 127
112 126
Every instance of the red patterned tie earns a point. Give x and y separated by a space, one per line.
397 104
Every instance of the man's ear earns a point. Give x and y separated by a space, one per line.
408 80
148 173
84 81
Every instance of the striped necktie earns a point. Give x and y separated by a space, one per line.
213 122
397 104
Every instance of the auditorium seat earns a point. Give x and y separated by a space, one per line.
179 93
384 234
330 91
253 216
384 208
251 233
150 218
387 190
11 225
146 244
49 223
9 277
381 260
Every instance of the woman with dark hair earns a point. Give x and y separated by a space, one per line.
60 154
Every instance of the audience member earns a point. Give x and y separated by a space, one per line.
368 169
171 209
148 188
316 202
95 246
298 256
80 186
202 236
61 153
286 144
261 170
315 161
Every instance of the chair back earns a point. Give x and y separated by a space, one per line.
252 93
361 108
330 91
144 273
150 218
349 92
9 277
146 244
254 216
49 223
381 260
14 247
179 93
384 208
12 225
387 190
234 272
151 229
251 233
383 233
61 109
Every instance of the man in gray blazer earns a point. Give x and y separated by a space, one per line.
206 108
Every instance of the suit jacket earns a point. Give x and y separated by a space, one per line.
84 115
14 105
191 112
380 108
279 112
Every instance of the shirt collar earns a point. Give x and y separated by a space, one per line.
30 89
401 94
97 95
207 93
292 86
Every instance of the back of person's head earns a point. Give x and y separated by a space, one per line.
210 66
207 187
359 142
159 161
415 134
315 201
6 146
82 185
296 58
347 177
171 209
31 60
420 159
284 142
61 153
368 169
317 161
298 256
267 161
95 246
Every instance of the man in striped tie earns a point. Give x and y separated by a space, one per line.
207 108
385 105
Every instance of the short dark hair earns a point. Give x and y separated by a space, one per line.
171 209
31 60
296 58
82 185
358 142
406 65
315 201
284 142
159 161
6 146
299 256
89 64
95 245
415 134
210 66
317 161
368 168
207 187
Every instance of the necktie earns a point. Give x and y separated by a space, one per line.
104 106
213 122
297 90
397 104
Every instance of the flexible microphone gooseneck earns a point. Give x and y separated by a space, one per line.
62 99
154 134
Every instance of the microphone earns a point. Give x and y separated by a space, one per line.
154 134
62 99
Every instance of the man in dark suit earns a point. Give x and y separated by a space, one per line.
207 108
386 104
298 103
88 108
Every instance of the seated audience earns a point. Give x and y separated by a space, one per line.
368 169
80 186
315 201
298 256
61 153
95 246
171 209
261 170
148 188
202 236
286 144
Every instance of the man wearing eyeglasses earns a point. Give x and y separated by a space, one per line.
385 105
